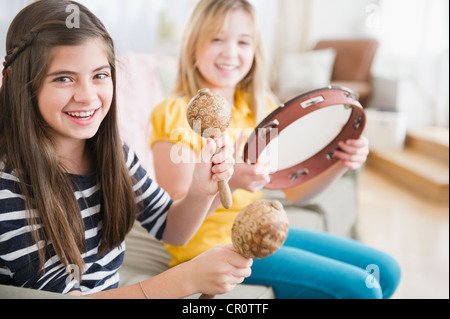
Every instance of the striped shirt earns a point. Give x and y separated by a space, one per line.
19 260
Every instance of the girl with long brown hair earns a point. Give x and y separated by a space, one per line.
70 189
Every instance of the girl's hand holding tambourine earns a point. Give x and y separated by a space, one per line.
250 177
353 153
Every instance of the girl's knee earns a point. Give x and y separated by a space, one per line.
363 285
390 274
376 281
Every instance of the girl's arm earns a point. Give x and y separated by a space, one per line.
216 271
188 213
167 171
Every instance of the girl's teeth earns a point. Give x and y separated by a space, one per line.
81 114
227 67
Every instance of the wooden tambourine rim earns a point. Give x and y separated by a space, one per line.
290 112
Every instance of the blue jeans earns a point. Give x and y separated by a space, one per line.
317 265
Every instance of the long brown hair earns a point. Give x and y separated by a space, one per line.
205 22
27 148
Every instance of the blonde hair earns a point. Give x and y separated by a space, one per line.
205 22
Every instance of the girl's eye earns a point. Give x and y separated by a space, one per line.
101 76
62 79
217 40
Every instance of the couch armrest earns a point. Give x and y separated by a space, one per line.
11 292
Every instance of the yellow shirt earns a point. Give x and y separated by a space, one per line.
170 125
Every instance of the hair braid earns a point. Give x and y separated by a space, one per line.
14 52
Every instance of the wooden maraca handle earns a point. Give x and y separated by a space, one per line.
224 191
225 194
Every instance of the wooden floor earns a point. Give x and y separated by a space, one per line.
412 229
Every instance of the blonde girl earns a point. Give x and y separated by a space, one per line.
222 49
70 189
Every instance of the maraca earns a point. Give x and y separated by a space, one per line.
259 230
209 115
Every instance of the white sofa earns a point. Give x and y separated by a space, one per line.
144 80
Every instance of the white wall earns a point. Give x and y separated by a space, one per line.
413 51
8 10
414 55
144 25
342 19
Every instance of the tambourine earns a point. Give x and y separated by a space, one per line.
299 138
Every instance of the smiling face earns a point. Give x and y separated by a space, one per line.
228 58
77 91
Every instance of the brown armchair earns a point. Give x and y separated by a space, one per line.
353 64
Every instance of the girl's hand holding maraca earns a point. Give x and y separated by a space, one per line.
215 163
209 115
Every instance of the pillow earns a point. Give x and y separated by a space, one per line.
300 72
139 90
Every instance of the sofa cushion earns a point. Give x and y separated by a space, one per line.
301 72
139 90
